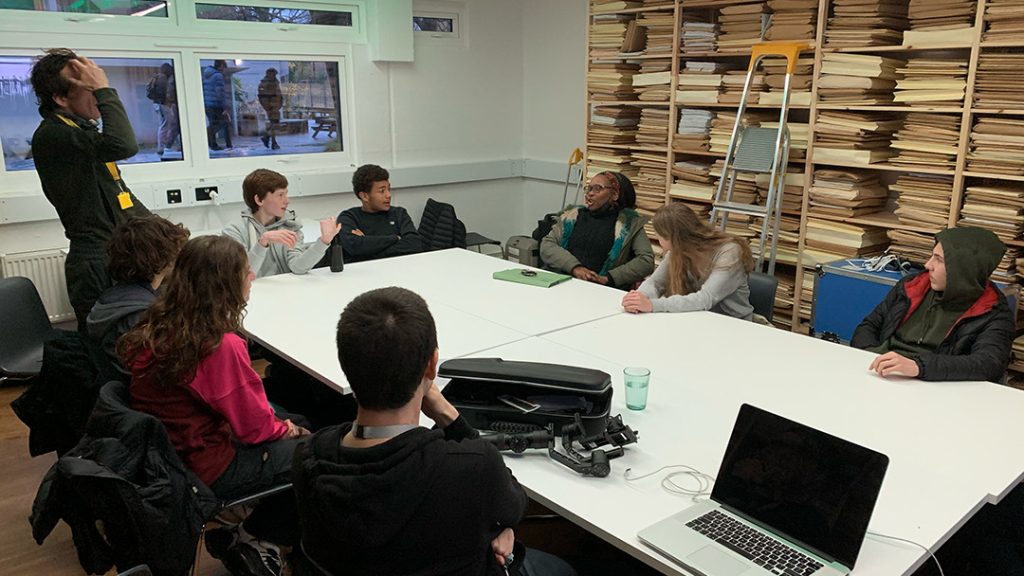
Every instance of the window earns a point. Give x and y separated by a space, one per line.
265 107
436 24
137 83
240 13
149 8
430 24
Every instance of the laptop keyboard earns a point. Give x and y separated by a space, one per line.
752 544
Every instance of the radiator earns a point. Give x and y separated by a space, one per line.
45 268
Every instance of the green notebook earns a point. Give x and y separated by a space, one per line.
539 278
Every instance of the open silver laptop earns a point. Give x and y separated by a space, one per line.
788 500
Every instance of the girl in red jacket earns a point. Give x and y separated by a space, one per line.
191 370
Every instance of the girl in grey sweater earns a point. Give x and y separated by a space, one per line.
703 269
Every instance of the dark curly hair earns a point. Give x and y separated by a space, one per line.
142 246
47 81
203 300
366 175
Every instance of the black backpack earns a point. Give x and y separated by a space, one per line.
156 90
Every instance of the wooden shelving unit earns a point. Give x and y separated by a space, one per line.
967 114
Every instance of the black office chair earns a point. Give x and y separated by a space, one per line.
24 327
762 293
440 228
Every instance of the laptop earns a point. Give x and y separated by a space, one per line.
788 500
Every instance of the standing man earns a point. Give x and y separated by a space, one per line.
376 229
165 96
217 102
271 99
75 163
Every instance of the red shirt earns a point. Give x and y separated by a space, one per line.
225 402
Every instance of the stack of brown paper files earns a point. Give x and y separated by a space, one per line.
1004 20
923 200
857 23
927 141
846 193
997 146
613 125
854 137
999 208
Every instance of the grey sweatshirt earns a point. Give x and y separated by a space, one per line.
275 258
725 291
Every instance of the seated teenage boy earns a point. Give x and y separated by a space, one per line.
948 322
383 495
141 254
376 229
269 231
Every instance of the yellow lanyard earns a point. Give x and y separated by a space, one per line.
124 198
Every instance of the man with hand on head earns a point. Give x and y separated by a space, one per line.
376 229
270 233
949 322
75 163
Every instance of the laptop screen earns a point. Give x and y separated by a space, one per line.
812 487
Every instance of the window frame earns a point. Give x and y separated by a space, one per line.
278 31
186 55
455 17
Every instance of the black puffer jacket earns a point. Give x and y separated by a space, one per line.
124 475
440 228
977 347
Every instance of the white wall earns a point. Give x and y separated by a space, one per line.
510 89
554 88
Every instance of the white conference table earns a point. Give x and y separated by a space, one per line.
952 446
296 316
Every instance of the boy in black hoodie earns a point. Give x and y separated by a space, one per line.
949 322
383 495
142 253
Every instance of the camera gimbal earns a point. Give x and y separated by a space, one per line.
615 433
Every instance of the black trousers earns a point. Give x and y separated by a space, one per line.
87 277
257 468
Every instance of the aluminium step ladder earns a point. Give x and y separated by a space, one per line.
757 150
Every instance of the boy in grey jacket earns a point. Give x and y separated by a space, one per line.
270 232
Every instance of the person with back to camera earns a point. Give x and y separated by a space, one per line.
604 240
376 229
142 253
75 164
384 495
217 99
270 232
190 369
703 269
949 322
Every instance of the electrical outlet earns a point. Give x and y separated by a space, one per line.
203 193
174 196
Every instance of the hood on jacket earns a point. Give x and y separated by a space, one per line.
117 303
209 71
358 487
287 222
971 255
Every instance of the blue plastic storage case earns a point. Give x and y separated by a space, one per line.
844 293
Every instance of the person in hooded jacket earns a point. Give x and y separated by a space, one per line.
270 233
142 253
949 322
603 241
384 495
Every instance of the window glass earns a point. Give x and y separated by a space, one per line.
239 13
431 24
150 8
262 107
146 86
